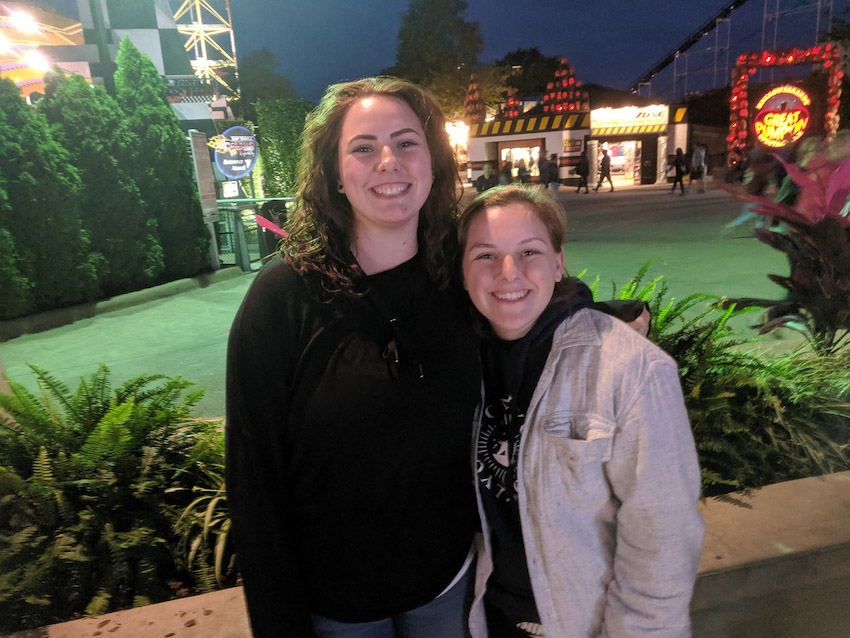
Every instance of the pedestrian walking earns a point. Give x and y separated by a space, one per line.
554 174
698 168
583 170
506 173
604 171
522 172
680 164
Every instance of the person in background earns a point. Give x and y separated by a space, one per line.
604 171
698 168
681 167
352 379
543 169
522 172
506 174
583 170
554 174
587 475
486 179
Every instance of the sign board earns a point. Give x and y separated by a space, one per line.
653 115
229 190
572 145
235 151
204 175
782 116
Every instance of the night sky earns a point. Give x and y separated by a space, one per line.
609 42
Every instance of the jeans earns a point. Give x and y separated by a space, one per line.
444 617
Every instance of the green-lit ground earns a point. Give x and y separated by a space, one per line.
610 234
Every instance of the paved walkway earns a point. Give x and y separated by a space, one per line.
182 328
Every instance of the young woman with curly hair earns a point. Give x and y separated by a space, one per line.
352 381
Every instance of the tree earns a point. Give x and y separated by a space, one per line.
280 123
39 215
434 38
258 80
449 89
532 71
164 174
89 121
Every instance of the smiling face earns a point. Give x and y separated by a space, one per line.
384 164
510 267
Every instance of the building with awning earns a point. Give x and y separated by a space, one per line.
638 134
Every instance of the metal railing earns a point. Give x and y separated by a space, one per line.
240 240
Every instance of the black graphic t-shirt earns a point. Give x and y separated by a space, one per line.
511 371
509 588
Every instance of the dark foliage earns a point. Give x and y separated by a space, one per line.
163 170
87 120
84 525
48 260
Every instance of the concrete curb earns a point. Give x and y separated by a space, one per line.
775 564
63 316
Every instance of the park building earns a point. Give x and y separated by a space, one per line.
638 133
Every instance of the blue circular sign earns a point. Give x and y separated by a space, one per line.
235 151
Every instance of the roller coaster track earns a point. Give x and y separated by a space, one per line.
686 44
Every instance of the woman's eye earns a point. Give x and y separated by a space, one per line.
484 256
361 149
407 143
531 252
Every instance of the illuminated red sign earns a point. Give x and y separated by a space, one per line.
782 116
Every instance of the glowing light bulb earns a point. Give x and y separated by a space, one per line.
23 22
35 60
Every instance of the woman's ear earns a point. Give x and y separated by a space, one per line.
560 273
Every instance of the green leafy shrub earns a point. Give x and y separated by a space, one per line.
162 169
88 120
281 123
85 527
204 525
49 259
815 237
757 419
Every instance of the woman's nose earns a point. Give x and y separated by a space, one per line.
509 269
388 159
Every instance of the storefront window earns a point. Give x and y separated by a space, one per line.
623 156
530 155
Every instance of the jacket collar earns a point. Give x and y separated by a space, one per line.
578 330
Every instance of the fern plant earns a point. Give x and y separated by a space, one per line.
85 516
756 419
204 525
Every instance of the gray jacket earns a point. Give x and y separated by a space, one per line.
608 488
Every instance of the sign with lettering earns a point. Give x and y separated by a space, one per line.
655 114
782 116
572 145
235 151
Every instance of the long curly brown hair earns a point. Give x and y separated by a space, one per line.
320 230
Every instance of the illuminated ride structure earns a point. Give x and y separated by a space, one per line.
210 41
775 115
25 32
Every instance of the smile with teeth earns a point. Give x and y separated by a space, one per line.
511 296
390 189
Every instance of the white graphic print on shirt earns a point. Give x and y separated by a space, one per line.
498 447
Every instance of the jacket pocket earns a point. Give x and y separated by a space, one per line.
580 437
